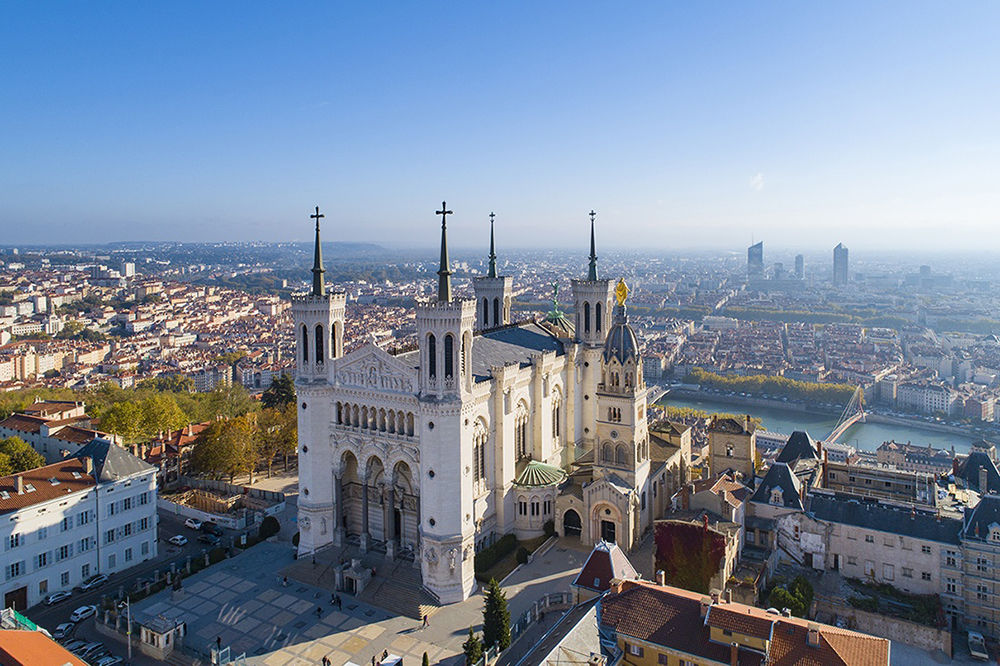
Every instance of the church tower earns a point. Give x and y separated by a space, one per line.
319 332
622 433
592 299
493 293
444 330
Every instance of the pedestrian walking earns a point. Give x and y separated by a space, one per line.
319 611
426 623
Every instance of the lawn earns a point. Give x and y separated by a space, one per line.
508 563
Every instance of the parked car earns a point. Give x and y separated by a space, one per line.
178 540
56 597
210 539
74 645
83 612
193 523
977 647
92 582
99 653
109 661
63 630
90 649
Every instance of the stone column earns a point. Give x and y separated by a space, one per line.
338 511
390 523
365 537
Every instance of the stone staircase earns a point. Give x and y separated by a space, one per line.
398 589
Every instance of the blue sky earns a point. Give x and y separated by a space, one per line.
683 124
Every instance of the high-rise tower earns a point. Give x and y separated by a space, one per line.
755 260
840 264
493 293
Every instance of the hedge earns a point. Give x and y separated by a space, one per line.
487 557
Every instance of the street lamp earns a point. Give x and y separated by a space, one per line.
128 626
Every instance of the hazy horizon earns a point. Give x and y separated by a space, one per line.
684 126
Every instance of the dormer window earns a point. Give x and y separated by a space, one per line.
729 451
995 532
777 497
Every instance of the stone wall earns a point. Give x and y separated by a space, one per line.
884 626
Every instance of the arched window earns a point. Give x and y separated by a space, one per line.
521 431
479 438
465 351
319 343
432 356
606 453
449 356
496 311
597 317
305 344
340 414
486 312
620 455
586 317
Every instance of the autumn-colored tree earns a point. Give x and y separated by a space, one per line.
161 413
689 554
225 448
278 434
6 468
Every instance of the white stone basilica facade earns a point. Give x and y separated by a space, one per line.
487 428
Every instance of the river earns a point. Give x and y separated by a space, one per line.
866 436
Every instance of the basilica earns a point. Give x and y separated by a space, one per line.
488 427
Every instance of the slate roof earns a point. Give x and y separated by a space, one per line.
979 519
606 562
621 342
731 426
968 470
513 344
871 514
779 475
800 446
112 462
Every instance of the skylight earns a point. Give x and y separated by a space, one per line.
54 481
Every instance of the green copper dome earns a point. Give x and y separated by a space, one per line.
537 474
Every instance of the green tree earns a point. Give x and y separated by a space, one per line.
21 457
278 435
124 419
426 660
160 412
473 648
224 448
229 401
280 393
70 329
496 617
6 467
175 383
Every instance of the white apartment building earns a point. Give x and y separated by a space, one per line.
62 523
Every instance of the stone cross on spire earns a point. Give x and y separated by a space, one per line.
493 254
317 269
444 272
592 274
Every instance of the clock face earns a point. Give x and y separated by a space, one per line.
614 434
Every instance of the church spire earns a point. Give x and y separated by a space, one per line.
317 269
493 253
592 275
444 272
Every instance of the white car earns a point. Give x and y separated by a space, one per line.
83 612
56 597
193 523
63 630
977 647
178 540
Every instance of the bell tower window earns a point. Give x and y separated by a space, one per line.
432 356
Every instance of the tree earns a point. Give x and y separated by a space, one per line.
160 412
473 648
224 448
175 383
426 660
280 393
496 617
6 468
278 434
229 401
124 419
21 457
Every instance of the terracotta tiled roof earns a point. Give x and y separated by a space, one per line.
606 562
76 435
40 479
671 617
23 423
29 648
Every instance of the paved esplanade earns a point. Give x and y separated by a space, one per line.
244 602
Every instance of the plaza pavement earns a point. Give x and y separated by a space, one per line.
243 601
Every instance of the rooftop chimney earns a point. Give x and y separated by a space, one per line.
729 596
706 603
19 484
661 577
982 480
734 654
813 635
88 464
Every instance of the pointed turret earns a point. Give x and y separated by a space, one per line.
444 272
493 254
592 274
317 269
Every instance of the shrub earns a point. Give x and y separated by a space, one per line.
216 555
522 555
473 648
550 528
487 557
268 527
